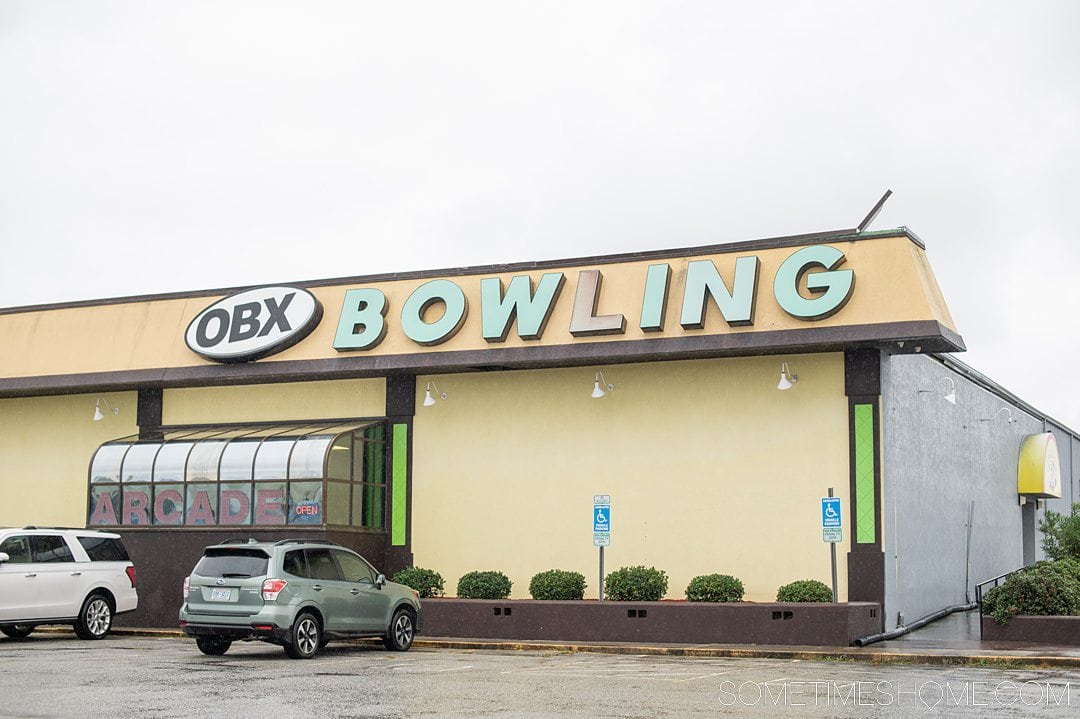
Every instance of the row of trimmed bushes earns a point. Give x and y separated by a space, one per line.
631 584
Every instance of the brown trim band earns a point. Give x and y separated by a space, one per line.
933 336
814 238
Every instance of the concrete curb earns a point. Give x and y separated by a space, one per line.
823 654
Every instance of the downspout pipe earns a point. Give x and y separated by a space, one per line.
900 631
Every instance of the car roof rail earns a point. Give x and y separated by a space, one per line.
57 528
240 540
303 541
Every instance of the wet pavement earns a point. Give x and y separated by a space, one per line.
954 639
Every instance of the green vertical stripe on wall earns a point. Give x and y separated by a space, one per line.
865 512
399 488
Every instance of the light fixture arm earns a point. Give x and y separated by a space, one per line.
601 386
98 414
428 398
1006 410
950 395
787 378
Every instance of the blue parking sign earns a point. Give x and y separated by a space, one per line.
830 512
601 518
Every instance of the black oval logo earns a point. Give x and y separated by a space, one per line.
253 324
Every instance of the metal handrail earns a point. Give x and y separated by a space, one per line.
996 581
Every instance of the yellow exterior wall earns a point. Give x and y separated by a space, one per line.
46 444
710 469
277 402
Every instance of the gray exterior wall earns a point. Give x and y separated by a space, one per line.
938 460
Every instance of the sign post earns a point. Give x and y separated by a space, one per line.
832 530
601 520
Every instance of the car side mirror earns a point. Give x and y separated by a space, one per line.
4 557
380 581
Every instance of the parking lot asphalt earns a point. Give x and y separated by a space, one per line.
951 640
54 675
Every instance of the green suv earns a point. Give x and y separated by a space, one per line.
298 593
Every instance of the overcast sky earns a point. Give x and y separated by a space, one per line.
166 146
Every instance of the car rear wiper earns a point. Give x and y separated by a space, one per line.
234 575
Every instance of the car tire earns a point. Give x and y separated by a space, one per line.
399 636
213 646
17 631
95 618
305 634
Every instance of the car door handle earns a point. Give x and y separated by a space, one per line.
28 576
317 587
354 592
76 574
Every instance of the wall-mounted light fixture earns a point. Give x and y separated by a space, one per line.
1006 410
950 395
98 414
428 398
601 386
787 379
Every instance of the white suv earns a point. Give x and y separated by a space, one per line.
63 576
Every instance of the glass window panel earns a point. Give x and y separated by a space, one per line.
203 461
50 548
307 457
168 505
374 507
270 503
200 509
337 503
235 504
374 462
321 565
358 506
104 505
305 503
139 462
171 460
353 568
339 463
106 464
237 460
17 548
272 460
135 505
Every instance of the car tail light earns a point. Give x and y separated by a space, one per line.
131 575
187 585
271 588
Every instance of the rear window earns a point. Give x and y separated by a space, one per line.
104 549
232 563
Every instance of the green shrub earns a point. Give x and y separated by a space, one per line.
804 590
484 585
427 582
715 588
557 584
1043 589
1061 534
636 584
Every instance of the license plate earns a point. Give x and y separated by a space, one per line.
220 595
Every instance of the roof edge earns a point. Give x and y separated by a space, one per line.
813 238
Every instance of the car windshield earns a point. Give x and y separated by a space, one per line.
233 563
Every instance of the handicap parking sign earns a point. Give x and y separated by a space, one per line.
830 512
601 518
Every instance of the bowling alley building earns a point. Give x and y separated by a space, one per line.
464 420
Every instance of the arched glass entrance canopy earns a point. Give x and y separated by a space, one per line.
271 475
